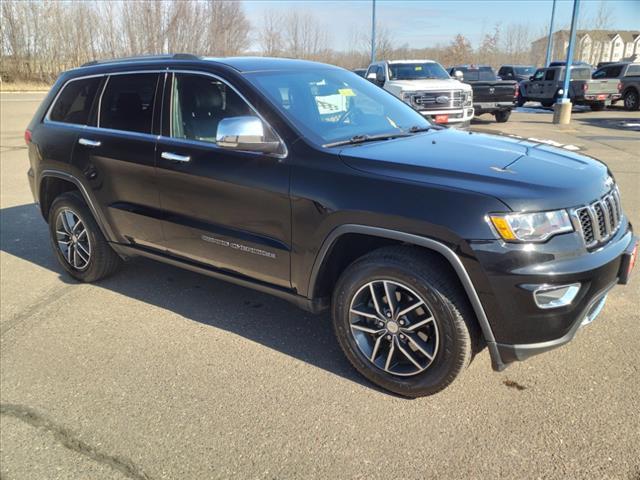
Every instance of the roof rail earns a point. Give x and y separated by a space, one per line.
176 56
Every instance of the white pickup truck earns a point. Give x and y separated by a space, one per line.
427 87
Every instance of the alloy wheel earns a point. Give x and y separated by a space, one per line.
73 240
631 101
394 327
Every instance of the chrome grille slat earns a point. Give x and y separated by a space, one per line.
600 220
427 100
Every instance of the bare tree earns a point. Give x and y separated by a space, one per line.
270 36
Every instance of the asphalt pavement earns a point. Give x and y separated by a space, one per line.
162 373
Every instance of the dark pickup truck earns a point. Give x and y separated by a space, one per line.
490 95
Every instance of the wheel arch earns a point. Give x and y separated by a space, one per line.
55 182
393 236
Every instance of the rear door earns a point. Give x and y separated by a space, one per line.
226 208
549 85
117 156
69 113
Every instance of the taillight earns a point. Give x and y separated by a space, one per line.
27 137
585 86
515 94
619 86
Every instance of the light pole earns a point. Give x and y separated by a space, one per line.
562 108
550 40
373 32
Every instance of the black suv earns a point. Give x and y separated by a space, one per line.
308 182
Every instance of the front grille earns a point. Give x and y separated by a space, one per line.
600 220
442 100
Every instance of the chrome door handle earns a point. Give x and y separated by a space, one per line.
89 143
174 157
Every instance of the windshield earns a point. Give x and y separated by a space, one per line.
332 105
416 71
524 70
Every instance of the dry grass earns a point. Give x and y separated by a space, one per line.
24 87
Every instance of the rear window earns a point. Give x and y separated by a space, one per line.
73 105
633 70
579 73
478 74
127 102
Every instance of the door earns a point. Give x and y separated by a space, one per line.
550 84
226 208
534 88
117 157
68 115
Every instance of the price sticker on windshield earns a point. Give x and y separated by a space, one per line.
418 68
346 92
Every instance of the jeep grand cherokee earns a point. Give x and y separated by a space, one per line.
308 182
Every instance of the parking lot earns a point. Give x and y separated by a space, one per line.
159 373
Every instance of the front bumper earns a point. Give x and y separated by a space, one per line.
463 115
520 327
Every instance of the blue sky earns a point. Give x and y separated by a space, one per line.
424 23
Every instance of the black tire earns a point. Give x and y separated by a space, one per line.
431 278
597 107
631 100
502 116
102 260
547 103
521 100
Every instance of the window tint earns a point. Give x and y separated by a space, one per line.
74 102
200 102
478 74
539 75
549 75
127 102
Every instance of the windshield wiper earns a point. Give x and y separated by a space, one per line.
417 129
356 139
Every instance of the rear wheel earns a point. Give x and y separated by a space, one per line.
77 240
403 321
502 116
631 100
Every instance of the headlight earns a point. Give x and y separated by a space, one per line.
531 227
406 97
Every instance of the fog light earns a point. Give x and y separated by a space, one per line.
555 296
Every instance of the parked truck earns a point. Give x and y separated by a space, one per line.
427 87
546 86
628 74
490 94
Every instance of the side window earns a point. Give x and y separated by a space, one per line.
127 102
73 105
539 75
632 70
199 102
372 69
551 73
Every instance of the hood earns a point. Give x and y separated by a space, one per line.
414 85
522 174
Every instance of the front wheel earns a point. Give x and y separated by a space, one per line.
502 116
403 321
631 100
77 240
521 100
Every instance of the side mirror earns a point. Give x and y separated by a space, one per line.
245 133
531 77
380 77
458 75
